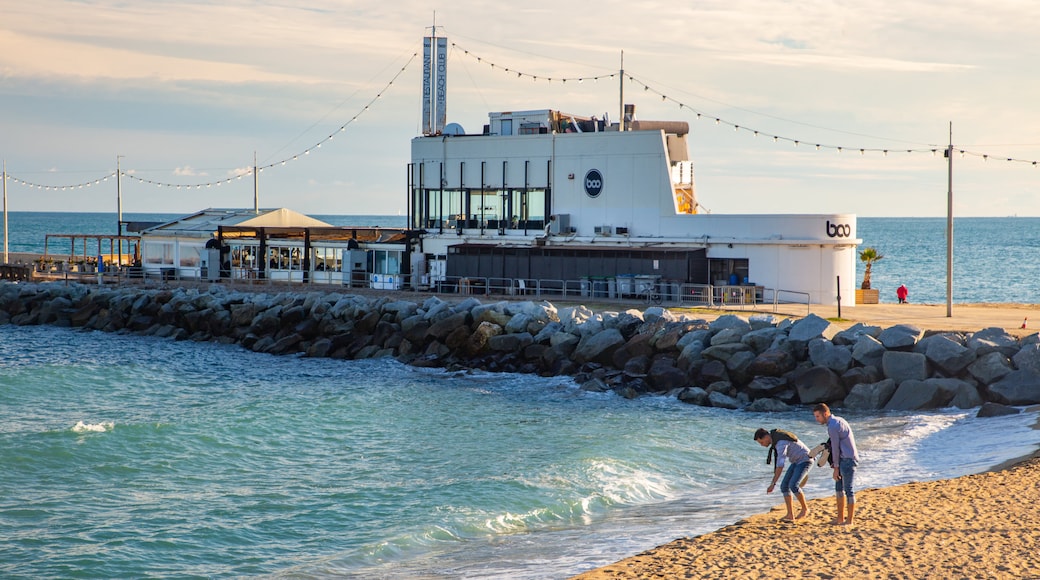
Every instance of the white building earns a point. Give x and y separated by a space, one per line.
544 195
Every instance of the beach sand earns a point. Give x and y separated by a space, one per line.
977 526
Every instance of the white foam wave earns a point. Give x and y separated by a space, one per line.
101 427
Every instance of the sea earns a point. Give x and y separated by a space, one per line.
125 456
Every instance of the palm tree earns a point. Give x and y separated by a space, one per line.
868 256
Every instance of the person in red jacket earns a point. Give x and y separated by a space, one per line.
902 293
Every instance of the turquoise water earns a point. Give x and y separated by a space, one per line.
127 456
994 259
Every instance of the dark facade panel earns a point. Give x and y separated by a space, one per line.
576 263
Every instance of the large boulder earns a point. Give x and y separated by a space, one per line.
996 410
808 328
990 368
904 366
993 339
900 336
731 322
760 339
724 352
870 396
772 363
818 385
868 351
1021 387
824 353
852 334
914 395
1028 358
945 353
598 347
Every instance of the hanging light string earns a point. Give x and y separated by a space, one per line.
521 74
934 150
32 185
241 174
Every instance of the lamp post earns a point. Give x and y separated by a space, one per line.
949 226
119 211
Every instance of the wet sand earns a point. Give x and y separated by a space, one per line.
977 526
985 525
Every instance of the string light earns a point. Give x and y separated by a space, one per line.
519 74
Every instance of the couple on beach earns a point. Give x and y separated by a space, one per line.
788 450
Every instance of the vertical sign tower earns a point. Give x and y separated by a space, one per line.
434 83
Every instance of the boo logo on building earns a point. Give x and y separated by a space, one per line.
838 230
593 183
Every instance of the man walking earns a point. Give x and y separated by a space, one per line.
845 457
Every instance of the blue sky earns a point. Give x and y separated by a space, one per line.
184 93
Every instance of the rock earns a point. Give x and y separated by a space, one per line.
764 386
818 385
1028 358
694 396
996 410
762 321
510 342
727 336
724 352
810 327
851 335
902 366
598 347
730 322
638 345
993 339
760 340
1021 387
861 375
946 353
900 336
824 353
665 377
870 396
772 363
990 367
768 405
914 395
480 340
711 372
737 367
717 399
637 366
443 327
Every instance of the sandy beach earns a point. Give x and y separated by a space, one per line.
977 526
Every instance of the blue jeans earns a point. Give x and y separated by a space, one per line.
847 470
793 476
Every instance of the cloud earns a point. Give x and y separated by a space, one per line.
188 171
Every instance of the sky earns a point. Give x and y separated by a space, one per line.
188 93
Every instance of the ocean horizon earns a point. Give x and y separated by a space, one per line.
994 258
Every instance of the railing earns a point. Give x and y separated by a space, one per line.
594 289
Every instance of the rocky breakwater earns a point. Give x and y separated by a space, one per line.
755 363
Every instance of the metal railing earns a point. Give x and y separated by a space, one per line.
594 289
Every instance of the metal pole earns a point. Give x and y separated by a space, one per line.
119 210
6 261
621 94
949 227
839 296
256 188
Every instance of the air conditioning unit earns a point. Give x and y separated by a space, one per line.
602 230
621 231
560 223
